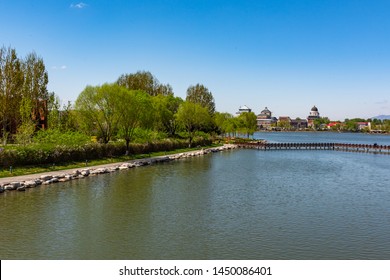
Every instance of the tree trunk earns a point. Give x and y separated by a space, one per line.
127 146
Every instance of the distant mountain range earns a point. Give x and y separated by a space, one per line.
382 117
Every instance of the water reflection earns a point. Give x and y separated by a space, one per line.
235 205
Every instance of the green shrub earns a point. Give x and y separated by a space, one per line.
57 137
147 135
45 154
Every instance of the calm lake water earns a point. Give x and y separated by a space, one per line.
242 204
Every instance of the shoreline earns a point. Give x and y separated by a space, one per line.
23 182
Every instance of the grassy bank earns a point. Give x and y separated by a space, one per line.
42 168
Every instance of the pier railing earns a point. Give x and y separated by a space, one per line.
366 148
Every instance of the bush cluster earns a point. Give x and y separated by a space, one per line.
36 155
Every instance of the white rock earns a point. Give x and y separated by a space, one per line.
46 177
85 172
99 171
63 179
9 187
54 180
75 173
15 184
38 181
30 184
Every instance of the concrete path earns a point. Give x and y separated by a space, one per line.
34 176
55 173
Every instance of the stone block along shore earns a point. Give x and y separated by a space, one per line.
21 183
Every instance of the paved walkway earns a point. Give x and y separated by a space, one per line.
53 173
69 171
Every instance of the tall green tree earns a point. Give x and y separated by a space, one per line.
200 94
223 122
247 123
193 117
26 129
135 111
232 126
35 83
165 108
11 91
98 109
63 117
54 111
145 81
20 80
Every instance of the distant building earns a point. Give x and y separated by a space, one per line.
299 123
265 119
292 124
285 120
314 114
363 125
243 109
334 125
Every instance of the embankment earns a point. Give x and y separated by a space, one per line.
21 183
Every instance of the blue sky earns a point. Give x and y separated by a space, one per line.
286 55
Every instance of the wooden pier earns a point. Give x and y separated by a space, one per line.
363 148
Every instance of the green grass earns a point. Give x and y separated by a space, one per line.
26 170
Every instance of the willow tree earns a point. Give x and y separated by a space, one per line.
134 109
193 117
223 122
145 81
165 108
98 110
247 123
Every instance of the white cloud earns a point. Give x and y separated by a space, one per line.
62 67
80 5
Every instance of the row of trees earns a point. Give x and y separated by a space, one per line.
23 91
136 103
115 111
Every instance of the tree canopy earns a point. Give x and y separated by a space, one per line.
21 79
165 108
98 109
134 109
200 94
247 123
192 117
145 81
